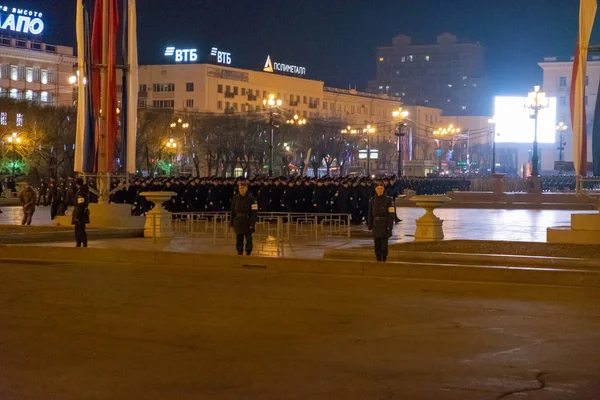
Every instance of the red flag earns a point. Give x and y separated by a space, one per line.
111 112
587 14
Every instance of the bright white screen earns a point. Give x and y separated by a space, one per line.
514 124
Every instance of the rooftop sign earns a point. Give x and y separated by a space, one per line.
20 20
271 66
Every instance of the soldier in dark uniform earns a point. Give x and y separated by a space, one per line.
42 194
276 197
263 196
244 214
290 197
343 199
81 215
320 198
53 198
381 221
365 192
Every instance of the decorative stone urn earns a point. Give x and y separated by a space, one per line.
158 220
429 227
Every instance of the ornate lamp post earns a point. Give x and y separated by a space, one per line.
368 130
560 128
272 103
401 131
536 101
450 130
14 139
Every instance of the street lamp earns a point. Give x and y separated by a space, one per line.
14 139
296 120
560 128
272 103
368 130
536 101
492 122
444 131
401 128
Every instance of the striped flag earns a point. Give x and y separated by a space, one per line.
587 14
132 88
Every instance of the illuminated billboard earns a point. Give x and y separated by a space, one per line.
515 125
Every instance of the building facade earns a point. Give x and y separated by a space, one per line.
38 72
557 83
448 75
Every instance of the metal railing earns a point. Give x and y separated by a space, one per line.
274 229
587 184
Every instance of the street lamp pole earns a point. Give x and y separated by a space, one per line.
13 140
492 122
271 102
368 130
561 127
536 101
400 133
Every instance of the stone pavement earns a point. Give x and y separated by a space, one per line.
101 331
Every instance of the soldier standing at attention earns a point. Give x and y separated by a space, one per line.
244 214
81 215
381 221
27 198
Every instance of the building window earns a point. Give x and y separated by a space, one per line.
3 118
189 87
410 58
220 89
29 75
464 107
51 76
163 87
44 77
19 119
14 72
264 94
304 114
402 59
14 93
257 108
305 100
44 97
475 85
235 90
381 59
235 107
143 88
563 81
219 104
332 106
324 105
142 102
36 74
163 104
426 58
562 101
227 106
4 71
189 103
243 107
243 91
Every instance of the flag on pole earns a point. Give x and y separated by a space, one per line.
132 88
587 14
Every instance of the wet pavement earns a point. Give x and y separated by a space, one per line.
104 331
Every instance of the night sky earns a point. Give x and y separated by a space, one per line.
336 39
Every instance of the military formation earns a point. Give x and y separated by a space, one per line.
344 195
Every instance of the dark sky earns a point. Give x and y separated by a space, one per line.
336 39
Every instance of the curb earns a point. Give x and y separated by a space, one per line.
468 258
67 235
438 271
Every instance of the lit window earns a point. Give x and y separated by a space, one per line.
14 93
380 87
3 118
19 119
448 100
449 85
381 59
44 79
44 97
464 107
29 95
426 58
403 59
14 72
189 103
464 78
410 58
474 85
29 75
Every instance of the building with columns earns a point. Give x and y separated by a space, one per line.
557 73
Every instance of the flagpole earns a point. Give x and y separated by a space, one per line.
103 184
